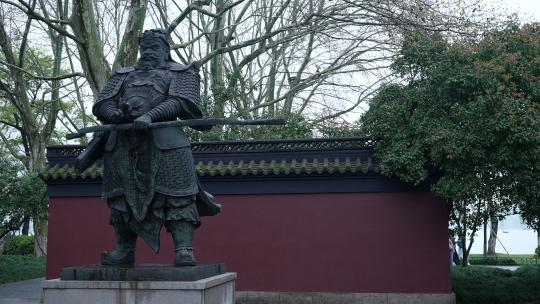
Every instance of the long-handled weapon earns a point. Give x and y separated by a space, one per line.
201 122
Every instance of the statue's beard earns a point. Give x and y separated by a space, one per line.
149 61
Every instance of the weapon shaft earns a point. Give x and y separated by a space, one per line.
202 122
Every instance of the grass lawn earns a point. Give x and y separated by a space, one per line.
506 255
519 259
479 285
20 267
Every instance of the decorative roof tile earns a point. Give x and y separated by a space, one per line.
310 157
262 167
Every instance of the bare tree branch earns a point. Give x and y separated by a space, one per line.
193 6
27 9
18 128
42 77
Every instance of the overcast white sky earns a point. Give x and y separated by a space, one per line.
528 9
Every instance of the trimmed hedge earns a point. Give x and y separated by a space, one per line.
479 285
20 267
492 261
19 245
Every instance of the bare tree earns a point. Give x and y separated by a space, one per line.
31 86
318 58
280 57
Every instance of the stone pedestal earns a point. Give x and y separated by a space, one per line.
141 272
218 289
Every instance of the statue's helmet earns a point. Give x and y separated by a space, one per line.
160 35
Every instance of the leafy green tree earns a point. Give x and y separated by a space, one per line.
530 213
30 105
333 128
19 245
469 113
23 195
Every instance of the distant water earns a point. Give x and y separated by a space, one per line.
516 241
514 236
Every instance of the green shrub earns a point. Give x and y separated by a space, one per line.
19 245
477 284
492 261
537 252
20 267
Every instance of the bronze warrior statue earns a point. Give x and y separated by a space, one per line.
149 176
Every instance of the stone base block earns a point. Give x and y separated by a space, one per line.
252 297
142 272
217 289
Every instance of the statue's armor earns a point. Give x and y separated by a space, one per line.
149 174
144 90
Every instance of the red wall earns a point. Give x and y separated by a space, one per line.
349 242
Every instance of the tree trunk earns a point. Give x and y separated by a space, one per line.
40 233
93 62
271 86
485 237
493 235
128 49
25 227
37 162
463 235
41 224
216 64
463 241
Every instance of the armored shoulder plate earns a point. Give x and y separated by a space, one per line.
122 70
186 82
180 67
113 87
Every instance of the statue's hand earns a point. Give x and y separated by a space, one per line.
117 117
142 122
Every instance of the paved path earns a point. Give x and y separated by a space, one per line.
511 268
22 292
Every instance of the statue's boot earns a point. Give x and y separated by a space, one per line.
182 234
126 239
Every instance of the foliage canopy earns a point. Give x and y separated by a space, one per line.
22 195
468 113
470 109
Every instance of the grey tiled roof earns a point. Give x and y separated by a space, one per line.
231 168
248 158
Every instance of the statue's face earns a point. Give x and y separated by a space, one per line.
152 49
